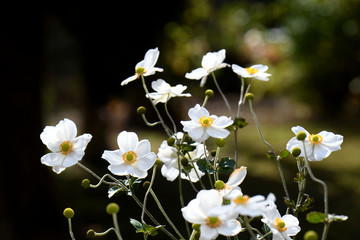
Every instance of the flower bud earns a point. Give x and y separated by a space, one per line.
196 226
141 110
112 208
209 93
184 162
170 141
85 183
296 152
90 234
146 184
219 185
220 142
69 213
311 235
249 96
301 135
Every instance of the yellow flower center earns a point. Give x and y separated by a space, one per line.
213 222
280 224
129 157
139 71
315 138
66 147
251 70
241 200
206 121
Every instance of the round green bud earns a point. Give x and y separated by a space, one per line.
311 235
219 185
196 226
112 208
296 152
184 162
85 183
90 234
141 110
249 96
170 141
209 93
301 135
69 213
146 184
220 142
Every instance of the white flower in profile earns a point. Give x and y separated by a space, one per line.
164 91
169 156
211 61
207 210
256 71
251 206
145 67
281 227
317 146
66 149
203 125
231 187
132 158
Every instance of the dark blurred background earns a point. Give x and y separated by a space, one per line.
65 61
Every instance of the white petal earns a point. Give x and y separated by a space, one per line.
192 213
209 199
151 57
66 130
170 173
160 86
129 79
196 74
127 141
217 132
261 68
197 132
143 148
262 76
197 112
320 152
203 81
207 233
237 177
81 142
54 160
222 122
72 158
121 169
113 157
297 129
230 228
145 162
240 71
49 138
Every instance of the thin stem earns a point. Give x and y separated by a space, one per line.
181 193
271 149
249 228
116 225
169 115
149 123
147 193
223 95
70 229
243 93
165 215
323 184
236 146
205 101
166 128
105 232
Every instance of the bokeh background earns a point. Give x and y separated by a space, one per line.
65 61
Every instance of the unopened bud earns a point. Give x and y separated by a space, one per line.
184 162
220 142
90 234
141 110
311 235
296 152
85 183
170 141
209 93
301 135
69 213
219 185
112 208
249 96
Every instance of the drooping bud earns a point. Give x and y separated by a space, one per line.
301 135
141 110
184 162
311 235
90 234
85 183
220 142
296 152
249 96
209 93
219 185
112 208
69 213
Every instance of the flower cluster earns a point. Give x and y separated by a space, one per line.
222 209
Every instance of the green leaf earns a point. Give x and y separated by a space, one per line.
270 155
226 165
137 225
316 217
204 166
115 190
284 154
240 122
145 228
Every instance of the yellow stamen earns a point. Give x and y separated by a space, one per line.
66 147
280 224
213 222
129 157
241 200
251 70
315 138
206 121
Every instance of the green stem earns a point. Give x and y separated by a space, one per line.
116 225
149 123
223 95
323 184
271 149
147 193
70 229
169 115
181 193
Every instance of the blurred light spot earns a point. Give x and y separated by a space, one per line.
354 86
350 28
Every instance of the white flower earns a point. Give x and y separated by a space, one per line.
168 155
256 71
133 158
203 125
281 227
67 149
231 187
145 67
164 91
207 209
317 146
210 62
251 206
